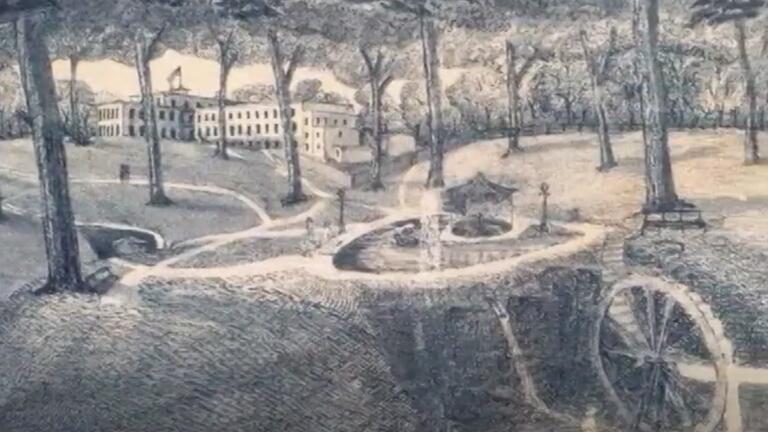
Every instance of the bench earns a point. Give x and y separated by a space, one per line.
677 218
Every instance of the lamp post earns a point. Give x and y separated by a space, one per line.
544 192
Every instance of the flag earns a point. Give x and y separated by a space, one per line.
176 74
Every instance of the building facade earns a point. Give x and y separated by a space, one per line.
322 131
175 115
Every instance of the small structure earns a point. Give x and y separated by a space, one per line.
481 197
341 195
544 223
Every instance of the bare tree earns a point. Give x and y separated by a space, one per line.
379 79
716 12
598 67
61 244
284 70
228 56
515 77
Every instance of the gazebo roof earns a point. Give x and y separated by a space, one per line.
476 190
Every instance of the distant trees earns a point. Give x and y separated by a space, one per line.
598 66
716 12
379 78
61 244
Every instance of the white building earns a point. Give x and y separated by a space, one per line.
322 131
175 115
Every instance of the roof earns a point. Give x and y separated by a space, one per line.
477 190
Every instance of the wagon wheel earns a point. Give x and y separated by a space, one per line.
661 356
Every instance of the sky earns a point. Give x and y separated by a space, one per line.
201 76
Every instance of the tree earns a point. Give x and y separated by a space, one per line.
228 56
284 70
307 90
81 33
598 67
139 26
61 244
412 109
379 79
716 12
660 184
515 77
255 93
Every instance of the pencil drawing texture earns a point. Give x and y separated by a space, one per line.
383 215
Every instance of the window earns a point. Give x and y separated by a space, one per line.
141 114
239 129
131 113
266 128
207 131
293 112
248 115
266 114
256 114
277 128
325 121
186 105
199 119
306 135
274 113
141 130
239 115
230 116
200 132
341 134
173 103
317 121
345 122
306 121
131 131
162 133
335 122
306 147
258 129
199 105
206 117
248 131
117 130
317 135
172 115
173 133
213 117
161 114
215 131
295 127
231 130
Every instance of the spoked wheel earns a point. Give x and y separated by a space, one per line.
661 356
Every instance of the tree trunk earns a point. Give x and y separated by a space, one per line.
61 244
221 147
660 183
429 39
157 196
282 88
607 159
74 111
751 149
513 102
376 183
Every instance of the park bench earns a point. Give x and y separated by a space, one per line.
677 218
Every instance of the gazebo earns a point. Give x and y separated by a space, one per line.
481 197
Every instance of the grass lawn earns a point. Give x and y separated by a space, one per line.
196 356
194 214
22 252
707 166
183 162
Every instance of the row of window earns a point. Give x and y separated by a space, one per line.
318 120
267 144
114 130
109 113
